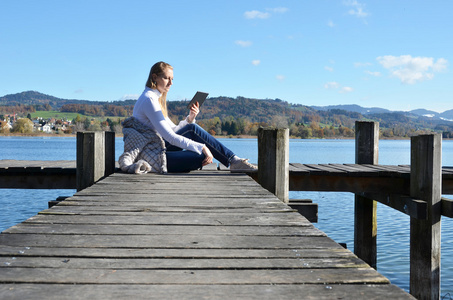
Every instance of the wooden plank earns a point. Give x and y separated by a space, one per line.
187 276
88 229
298 168
153 236
148 210
389 171
324 170
447 172
270 219
140 291
308 210
38 181
447 207
180 263
413 207
354 170
171 241
158 253
188 201
334 183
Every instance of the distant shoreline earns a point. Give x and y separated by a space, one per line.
221 136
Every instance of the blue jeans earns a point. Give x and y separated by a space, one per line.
179 160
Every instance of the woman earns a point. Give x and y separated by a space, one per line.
200 147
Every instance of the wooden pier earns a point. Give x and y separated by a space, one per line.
202 235
217 234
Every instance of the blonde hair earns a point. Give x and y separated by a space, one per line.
158 68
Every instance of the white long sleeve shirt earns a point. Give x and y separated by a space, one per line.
148 111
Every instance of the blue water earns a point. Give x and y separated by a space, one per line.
335 210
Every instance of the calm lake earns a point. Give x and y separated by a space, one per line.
335 215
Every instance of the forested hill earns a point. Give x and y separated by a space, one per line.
244 114
254 110
36 98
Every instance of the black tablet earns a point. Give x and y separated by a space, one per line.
199 97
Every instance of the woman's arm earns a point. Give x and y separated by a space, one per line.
194 110
163 126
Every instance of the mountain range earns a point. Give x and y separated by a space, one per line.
255 110
33 98
446 115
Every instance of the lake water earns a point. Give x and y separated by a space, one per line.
335 210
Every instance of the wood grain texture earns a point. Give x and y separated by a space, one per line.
206 234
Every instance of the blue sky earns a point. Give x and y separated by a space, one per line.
390 54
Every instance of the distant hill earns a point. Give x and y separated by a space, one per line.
259 111
37 98
354 108
424 112
448 114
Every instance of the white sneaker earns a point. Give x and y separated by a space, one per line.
242 165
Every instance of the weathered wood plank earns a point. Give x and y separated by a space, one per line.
225 219
138 231
405 204
152 253
180 263
353 170
447 207
187 276
353 184
170 241
148 210
307 230
220 202
139 291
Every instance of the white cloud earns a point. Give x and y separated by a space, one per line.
346 89
410 69
330 23
255 14
243 43
280 77
79 91
332 85
129 97
360 64
256 62
440 65
358 9
377 74
330 69
278 10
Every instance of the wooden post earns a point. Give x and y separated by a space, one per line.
425 240
109 149
365 219
92 161
273 161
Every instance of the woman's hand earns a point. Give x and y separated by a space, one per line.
209 156
194 110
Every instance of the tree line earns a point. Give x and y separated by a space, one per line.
238 116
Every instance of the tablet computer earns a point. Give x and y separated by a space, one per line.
199 97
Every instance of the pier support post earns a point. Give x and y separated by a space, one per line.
95 157
365 219
273 161
109 148
425 235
